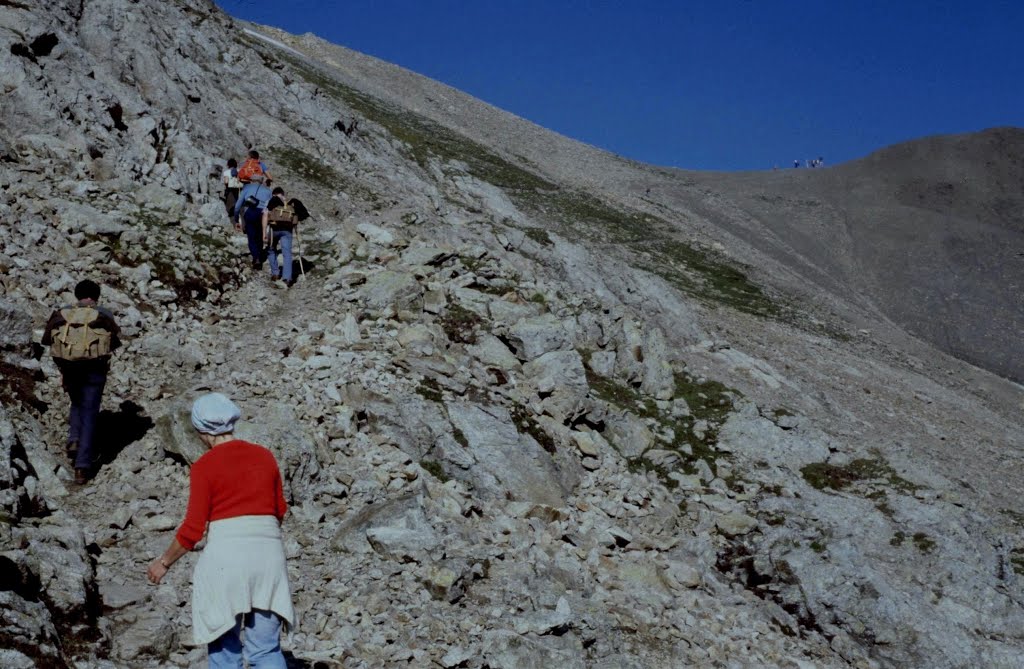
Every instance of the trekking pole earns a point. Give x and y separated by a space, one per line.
298 249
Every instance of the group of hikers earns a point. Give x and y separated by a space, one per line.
268 217
241 597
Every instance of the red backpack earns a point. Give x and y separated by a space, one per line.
250 168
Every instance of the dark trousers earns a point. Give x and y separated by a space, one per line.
85 388
230 198
254 231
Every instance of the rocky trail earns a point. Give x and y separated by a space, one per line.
525 417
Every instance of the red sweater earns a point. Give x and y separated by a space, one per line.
232 479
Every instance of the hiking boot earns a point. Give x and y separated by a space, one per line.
290 282
71 449
81 476
275 277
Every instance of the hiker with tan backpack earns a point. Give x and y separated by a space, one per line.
81 338
280 223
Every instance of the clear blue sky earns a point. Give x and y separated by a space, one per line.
702 84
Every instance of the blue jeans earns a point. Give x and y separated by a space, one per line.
253 222
84 384
262 645
284 238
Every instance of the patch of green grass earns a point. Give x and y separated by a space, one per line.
822 475
709 401
460 437
539 235
460 325
1017 561
898 539
424 138
306 166
525 422
430 389
642 464
538 298
924 543
435 469
472 263
818 545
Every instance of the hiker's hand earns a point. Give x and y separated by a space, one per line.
238 226
156 571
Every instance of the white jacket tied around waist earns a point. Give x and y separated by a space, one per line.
242 568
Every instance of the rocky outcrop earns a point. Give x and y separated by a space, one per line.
505 442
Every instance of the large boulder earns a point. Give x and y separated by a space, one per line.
398 290
535 336
506 464
15 325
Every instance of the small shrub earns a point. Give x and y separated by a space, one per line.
434 468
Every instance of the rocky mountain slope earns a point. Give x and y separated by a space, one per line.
528 412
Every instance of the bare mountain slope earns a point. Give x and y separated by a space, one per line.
927 233
535 405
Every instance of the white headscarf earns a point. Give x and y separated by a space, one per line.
215 414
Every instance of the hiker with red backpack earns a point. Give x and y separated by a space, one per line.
82 336
253 166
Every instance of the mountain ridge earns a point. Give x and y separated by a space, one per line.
526 414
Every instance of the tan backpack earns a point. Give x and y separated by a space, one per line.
77 339
282 217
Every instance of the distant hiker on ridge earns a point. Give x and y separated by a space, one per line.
280 221
232 187
81 338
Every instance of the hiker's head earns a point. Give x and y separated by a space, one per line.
232 162
87 290
278 191
214 415
254 154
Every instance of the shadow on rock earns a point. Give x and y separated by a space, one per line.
115 430
307 267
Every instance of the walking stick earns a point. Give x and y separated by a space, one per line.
298 250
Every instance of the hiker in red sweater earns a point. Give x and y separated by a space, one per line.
240 579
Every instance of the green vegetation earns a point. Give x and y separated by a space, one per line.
525 422
460 437
460 325
898 539
429 389
822 475
423 138
435 469
709 402
1017 561
924 543
539 235
306 166
650 240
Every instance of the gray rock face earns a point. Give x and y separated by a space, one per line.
15 325
497 449
552 419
